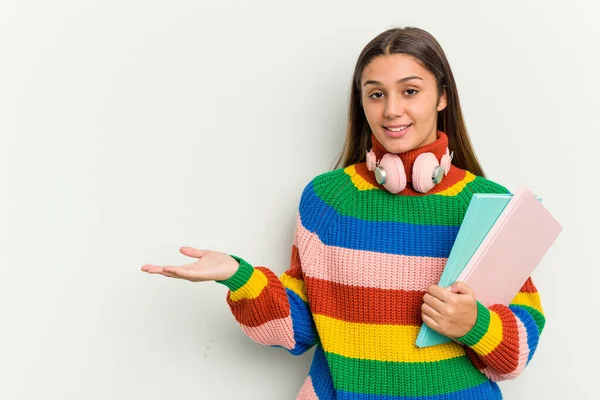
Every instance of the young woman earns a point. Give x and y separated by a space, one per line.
371 241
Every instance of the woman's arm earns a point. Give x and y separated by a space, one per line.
504 339
272 311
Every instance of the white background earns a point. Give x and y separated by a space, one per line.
131 127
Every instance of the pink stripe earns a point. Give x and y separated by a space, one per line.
298 230
303 236
307 391
277 332
523 355
366 268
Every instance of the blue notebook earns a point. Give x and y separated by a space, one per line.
483 211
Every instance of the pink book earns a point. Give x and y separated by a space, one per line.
511 250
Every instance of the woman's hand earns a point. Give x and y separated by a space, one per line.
452 311
211 266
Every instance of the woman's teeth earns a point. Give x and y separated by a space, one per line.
398 129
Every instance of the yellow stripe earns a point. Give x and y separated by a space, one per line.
295 285
529 299
257 282
380 342
458 186
359 182
492 338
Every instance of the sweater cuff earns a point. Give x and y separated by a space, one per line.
479 329
241 276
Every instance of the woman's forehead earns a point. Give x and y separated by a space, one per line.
389 69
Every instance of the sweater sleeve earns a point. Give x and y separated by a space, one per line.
273 311
504 338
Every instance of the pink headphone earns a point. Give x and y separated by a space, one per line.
427 171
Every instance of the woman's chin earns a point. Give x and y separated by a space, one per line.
398 146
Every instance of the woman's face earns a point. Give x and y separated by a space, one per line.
397 92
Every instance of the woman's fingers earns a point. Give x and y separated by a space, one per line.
434 302
152 269
185 272
192 271
170 275
429 311
193 252
430 322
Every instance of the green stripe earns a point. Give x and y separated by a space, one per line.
447 210
538 317
403 379
241 276
387 206
483 185
479 329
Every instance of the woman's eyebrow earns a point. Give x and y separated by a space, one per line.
408 78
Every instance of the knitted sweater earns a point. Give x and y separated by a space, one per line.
361 261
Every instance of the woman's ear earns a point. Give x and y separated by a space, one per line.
442 101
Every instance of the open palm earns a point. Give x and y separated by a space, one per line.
210 266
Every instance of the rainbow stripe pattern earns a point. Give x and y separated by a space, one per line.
361 261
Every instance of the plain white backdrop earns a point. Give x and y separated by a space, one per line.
131 127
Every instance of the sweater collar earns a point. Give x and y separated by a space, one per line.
408 158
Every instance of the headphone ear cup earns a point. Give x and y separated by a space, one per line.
422 176
446 161
395 175
371 160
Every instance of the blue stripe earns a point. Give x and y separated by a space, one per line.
321 376
486 391
305 332
353 233
531 327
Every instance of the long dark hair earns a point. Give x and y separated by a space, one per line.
425 48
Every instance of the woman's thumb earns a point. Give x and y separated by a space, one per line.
460 287
193 252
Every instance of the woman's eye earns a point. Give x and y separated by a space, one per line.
376 95
412 90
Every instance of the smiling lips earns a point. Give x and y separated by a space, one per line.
397 131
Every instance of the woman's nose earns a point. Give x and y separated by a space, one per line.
393 107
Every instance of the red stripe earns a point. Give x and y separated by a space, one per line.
272 303
529 287
364 305
477 362
505 357
295 270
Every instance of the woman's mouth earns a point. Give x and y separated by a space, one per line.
396 131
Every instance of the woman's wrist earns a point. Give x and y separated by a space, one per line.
241 272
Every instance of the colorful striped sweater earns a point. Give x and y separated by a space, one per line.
361 261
